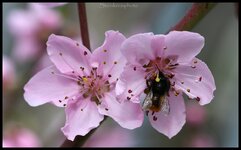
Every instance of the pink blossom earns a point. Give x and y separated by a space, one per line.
84 83
113 137
9 73
169 62
195 114
202 140
30 29
20 137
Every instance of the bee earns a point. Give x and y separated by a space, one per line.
157 90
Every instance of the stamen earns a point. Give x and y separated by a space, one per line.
85 79
198 99
66 76
176 93
193 66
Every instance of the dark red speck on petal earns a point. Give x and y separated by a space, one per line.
198 99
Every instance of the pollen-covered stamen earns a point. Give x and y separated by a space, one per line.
169 63
94 86
152 69
160 64
82 71
176 93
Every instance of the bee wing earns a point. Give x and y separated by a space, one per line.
165 106
147 103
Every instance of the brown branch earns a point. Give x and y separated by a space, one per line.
83 25
193 16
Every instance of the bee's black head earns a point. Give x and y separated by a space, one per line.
160 86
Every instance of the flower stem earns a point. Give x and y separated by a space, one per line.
80 140
83 25
193 16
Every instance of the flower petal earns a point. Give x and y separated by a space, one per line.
109 57
53 21
22 23
8 72
129 115
158 45
138 48
131 84
81 116
184 44
172 123
67 54
196 80
46 86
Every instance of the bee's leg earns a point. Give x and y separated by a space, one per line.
147 90
149 83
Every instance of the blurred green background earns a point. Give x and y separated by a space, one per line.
220 53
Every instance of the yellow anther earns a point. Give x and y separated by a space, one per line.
157 78
85 79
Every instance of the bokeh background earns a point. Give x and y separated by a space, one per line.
215 124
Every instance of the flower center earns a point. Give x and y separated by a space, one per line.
163 65
94 86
